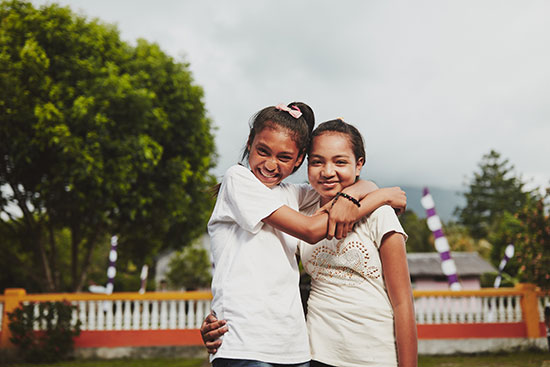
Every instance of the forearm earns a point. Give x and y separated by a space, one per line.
360 189
405 335
371 202
310 229
396 276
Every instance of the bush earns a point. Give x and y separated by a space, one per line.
190 268
54 341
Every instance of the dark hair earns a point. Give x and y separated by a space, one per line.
339 126
300 128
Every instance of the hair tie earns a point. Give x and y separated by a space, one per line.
294 111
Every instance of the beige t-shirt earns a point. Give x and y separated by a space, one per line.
350 318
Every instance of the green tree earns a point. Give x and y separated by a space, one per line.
189 268
459 239
420 237
98 137
529 231
494 190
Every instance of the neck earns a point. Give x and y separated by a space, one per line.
325 200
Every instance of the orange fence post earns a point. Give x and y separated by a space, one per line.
12 298
530 309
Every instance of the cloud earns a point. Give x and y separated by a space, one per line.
432 84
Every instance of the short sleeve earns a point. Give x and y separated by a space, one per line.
382 221
246 200
306 196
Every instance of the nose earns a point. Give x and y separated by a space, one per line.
270 165
328 170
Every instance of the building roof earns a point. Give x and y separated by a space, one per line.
429 264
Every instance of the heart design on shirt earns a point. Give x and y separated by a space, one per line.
347 263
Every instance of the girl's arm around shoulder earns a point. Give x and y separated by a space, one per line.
372 197
396 275
392 196
310 229
344 213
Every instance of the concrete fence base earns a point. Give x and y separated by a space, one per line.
142 352
479 345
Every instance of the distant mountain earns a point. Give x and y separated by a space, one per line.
446 200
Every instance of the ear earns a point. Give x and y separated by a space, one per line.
358 165
299 160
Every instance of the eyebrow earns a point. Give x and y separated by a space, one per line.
336 156
263 145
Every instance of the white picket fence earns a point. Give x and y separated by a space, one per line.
137 314
158 314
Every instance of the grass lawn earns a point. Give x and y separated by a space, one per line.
161 362
519 359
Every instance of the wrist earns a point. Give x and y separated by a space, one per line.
347 197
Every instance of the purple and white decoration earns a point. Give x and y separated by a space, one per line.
143 277
441 244
111 271
508 254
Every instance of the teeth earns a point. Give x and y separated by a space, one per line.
268 175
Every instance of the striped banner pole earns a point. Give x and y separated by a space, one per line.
111 270
441 244
143 277
508 254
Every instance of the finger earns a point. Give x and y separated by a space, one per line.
215 334
207 323
339 228
345 230
331 228
211 318
207 327
213 345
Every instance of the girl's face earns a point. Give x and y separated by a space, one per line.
332 165
273 155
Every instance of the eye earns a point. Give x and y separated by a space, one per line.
314 162
341 162
285 158
262 151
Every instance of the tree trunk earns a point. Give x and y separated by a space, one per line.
35 230
53 259
75 242
90 245
45 263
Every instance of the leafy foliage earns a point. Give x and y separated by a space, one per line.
189 269
460 240
532 241
98 138
420 237
55 339
493 191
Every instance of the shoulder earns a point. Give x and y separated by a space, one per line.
297 188
383 211
238 175
382 217
237 170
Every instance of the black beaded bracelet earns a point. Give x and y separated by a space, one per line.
349 197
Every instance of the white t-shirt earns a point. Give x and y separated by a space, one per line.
350 317
255 284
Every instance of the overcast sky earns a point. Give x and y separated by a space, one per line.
432 85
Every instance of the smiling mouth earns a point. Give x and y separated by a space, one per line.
328 184
268 176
